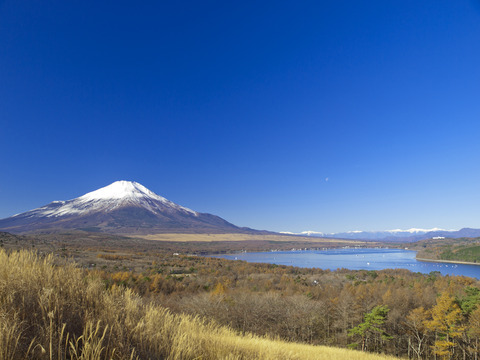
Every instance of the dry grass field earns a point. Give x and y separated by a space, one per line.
61 312
242 237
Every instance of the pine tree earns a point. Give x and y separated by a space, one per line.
371 327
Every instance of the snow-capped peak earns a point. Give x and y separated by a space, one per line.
415 230
114 196
383 234
310 233
119 190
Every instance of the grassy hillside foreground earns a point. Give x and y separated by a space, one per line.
59 312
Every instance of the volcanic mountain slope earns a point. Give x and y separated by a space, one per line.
124 207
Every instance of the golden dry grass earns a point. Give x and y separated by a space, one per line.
59 312
241 237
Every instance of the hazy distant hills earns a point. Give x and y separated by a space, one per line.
398 235
123 207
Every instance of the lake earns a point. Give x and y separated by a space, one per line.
356 259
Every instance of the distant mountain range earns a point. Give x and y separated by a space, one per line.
129 208
124 207
409 235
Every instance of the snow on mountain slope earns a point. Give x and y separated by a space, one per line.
412 231
111 197
384 235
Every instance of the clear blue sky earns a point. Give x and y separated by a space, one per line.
279 115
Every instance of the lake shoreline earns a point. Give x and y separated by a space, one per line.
448 261
359 259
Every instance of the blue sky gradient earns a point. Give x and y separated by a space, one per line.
325 115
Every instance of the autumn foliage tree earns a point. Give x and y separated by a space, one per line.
445 323
415 324
473 331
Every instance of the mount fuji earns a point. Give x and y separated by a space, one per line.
123 207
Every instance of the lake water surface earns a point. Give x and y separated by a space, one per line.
356 259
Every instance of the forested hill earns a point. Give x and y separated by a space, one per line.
461 250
